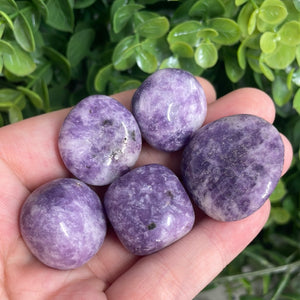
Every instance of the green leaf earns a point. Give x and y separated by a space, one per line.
6 19
280 92
158 47
296 101
252 21
279 215
206 55
182 49
281 57
83 3
205 9
15 114
5 47
35 98
268 42
279 192
63 67
41 88
229 31
146 61
244 17
298 55
266 70
207 33
170 62
42 7
130 84
189 65
232 67
297 4
289 33
272 12
153 28
253 58
240 2
185 32
123 56
23 33
289 78
102 77
60 15
123 14
19 63
8 6
143 16
8 97
79 45
2 28
1 64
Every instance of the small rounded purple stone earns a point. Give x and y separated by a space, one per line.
169 107
63 223
99 140
232 165
149 209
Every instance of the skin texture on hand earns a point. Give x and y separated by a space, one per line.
29 157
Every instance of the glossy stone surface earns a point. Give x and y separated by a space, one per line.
63 223
169 106
232 165
149 209
99 140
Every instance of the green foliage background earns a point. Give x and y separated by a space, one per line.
53 53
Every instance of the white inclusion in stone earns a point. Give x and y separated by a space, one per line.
64 228
169 112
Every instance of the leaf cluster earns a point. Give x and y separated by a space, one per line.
55 52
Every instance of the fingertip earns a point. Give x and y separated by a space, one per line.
244 100
209 89
288 154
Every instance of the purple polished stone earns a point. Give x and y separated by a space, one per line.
232 165
169 107
149 209
63 223
99 140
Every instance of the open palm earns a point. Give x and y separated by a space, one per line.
29 158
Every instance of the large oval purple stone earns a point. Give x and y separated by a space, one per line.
169 107
232 165
99 140
63 223
149 209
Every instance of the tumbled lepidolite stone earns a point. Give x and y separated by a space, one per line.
149 209
232 165
99 140
169 107
63 223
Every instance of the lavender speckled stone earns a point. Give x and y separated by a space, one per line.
149 209
99 140
232 165
169 107
63 223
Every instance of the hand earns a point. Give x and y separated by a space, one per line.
29 157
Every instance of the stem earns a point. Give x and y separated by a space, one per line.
282 285
292 267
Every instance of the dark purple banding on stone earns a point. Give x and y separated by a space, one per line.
169 107
99 140
63 223
232 165
149 209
